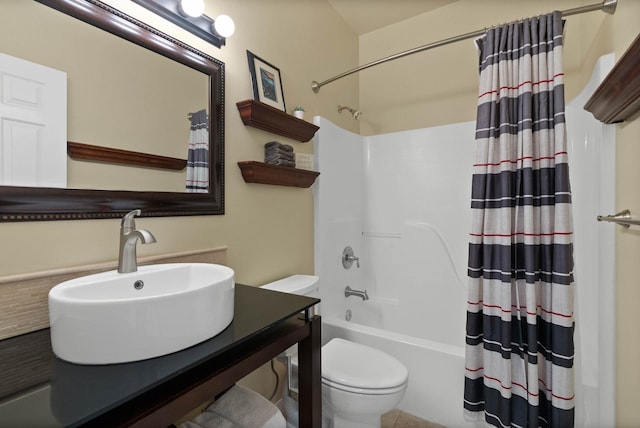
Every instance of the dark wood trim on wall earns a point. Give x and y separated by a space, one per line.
618 96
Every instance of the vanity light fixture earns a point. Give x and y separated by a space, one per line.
224 25
192 8
189 15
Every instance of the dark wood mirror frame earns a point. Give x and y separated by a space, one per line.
31 203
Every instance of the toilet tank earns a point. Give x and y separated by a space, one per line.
305 285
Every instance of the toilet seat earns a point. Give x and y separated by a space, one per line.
360 369
364 391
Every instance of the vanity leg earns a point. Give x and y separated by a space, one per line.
309 377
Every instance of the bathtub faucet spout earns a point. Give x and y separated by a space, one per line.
351 292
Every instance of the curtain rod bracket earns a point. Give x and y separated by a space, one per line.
623 218
607 6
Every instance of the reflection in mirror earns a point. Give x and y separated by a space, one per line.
136 92
132 99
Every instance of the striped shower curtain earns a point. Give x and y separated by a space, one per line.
198 154
520 321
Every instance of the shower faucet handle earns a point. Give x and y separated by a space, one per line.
348 258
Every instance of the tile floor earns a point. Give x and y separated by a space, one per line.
400 419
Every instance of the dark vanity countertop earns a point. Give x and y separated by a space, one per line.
38 389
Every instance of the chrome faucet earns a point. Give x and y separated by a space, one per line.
348 291
127 259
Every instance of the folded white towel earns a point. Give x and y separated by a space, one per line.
239 408
212 420
247 408
218 422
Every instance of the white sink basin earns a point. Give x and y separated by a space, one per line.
105 319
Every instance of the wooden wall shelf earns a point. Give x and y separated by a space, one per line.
618 96
259 172
267 118
123 157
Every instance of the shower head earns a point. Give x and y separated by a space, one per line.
355 113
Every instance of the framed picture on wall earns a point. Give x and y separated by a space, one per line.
266 81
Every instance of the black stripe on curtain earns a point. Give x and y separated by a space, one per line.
517 409
511 42
548 112
527 186
518 261
520 338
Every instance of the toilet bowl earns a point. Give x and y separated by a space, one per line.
359 383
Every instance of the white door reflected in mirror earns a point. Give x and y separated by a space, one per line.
33 113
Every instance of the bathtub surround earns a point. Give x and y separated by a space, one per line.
520 316
367 199
414 253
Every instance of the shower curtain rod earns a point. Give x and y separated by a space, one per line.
608 6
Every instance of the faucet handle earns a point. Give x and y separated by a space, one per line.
348 258
128 221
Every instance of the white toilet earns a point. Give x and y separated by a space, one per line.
359 383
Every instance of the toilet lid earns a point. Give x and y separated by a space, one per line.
354 365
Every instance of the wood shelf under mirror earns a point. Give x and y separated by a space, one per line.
618 96
89 152
267 118
259 172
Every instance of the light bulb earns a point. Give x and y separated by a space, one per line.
224 25
192 8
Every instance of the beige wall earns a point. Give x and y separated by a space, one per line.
268 229
439 87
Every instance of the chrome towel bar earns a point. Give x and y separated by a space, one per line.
623 218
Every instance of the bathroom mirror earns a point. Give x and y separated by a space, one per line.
39 203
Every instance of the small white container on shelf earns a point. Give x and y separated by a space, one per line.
298 112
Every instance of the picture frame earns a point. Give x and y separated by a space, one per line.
266 82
